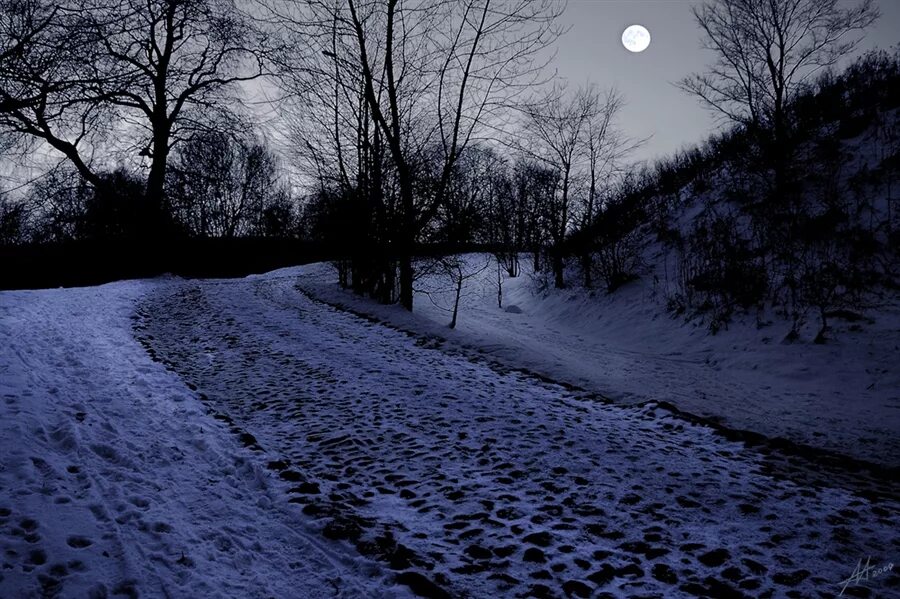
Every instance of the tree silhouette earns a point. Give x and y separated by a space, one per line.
85 75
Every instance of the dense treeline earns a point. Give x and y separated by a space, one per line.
216 186
87 262
394 135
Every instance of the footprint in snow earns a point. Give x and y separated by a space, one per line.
79 542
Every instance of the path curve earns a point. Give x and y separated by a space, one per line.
475 482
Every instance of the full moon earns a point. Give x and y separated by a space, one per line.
636 38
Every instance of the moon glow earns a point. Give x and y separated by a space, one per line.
636 38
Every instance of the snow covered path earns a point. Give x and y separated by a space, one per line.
483 482
843 397
115 481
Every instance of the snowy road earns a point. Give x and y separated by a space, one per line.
114 480
481 482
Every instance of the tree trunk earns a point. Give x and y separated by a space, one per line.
587 264
407 241
459 284
154 193
820 336
558 266
406 282
499 286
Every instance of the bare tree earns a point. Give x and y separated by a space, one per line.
433 76
39 76
144 69
462 216
606 146
504 217
765 51
59 200
456 270
221 185
14 221
24 25
535 186
558 125
465 76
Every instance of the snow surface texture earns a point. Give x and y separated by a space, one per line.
475 480
843 396
114 481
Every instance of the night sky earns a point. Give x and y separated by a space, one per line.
592 51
